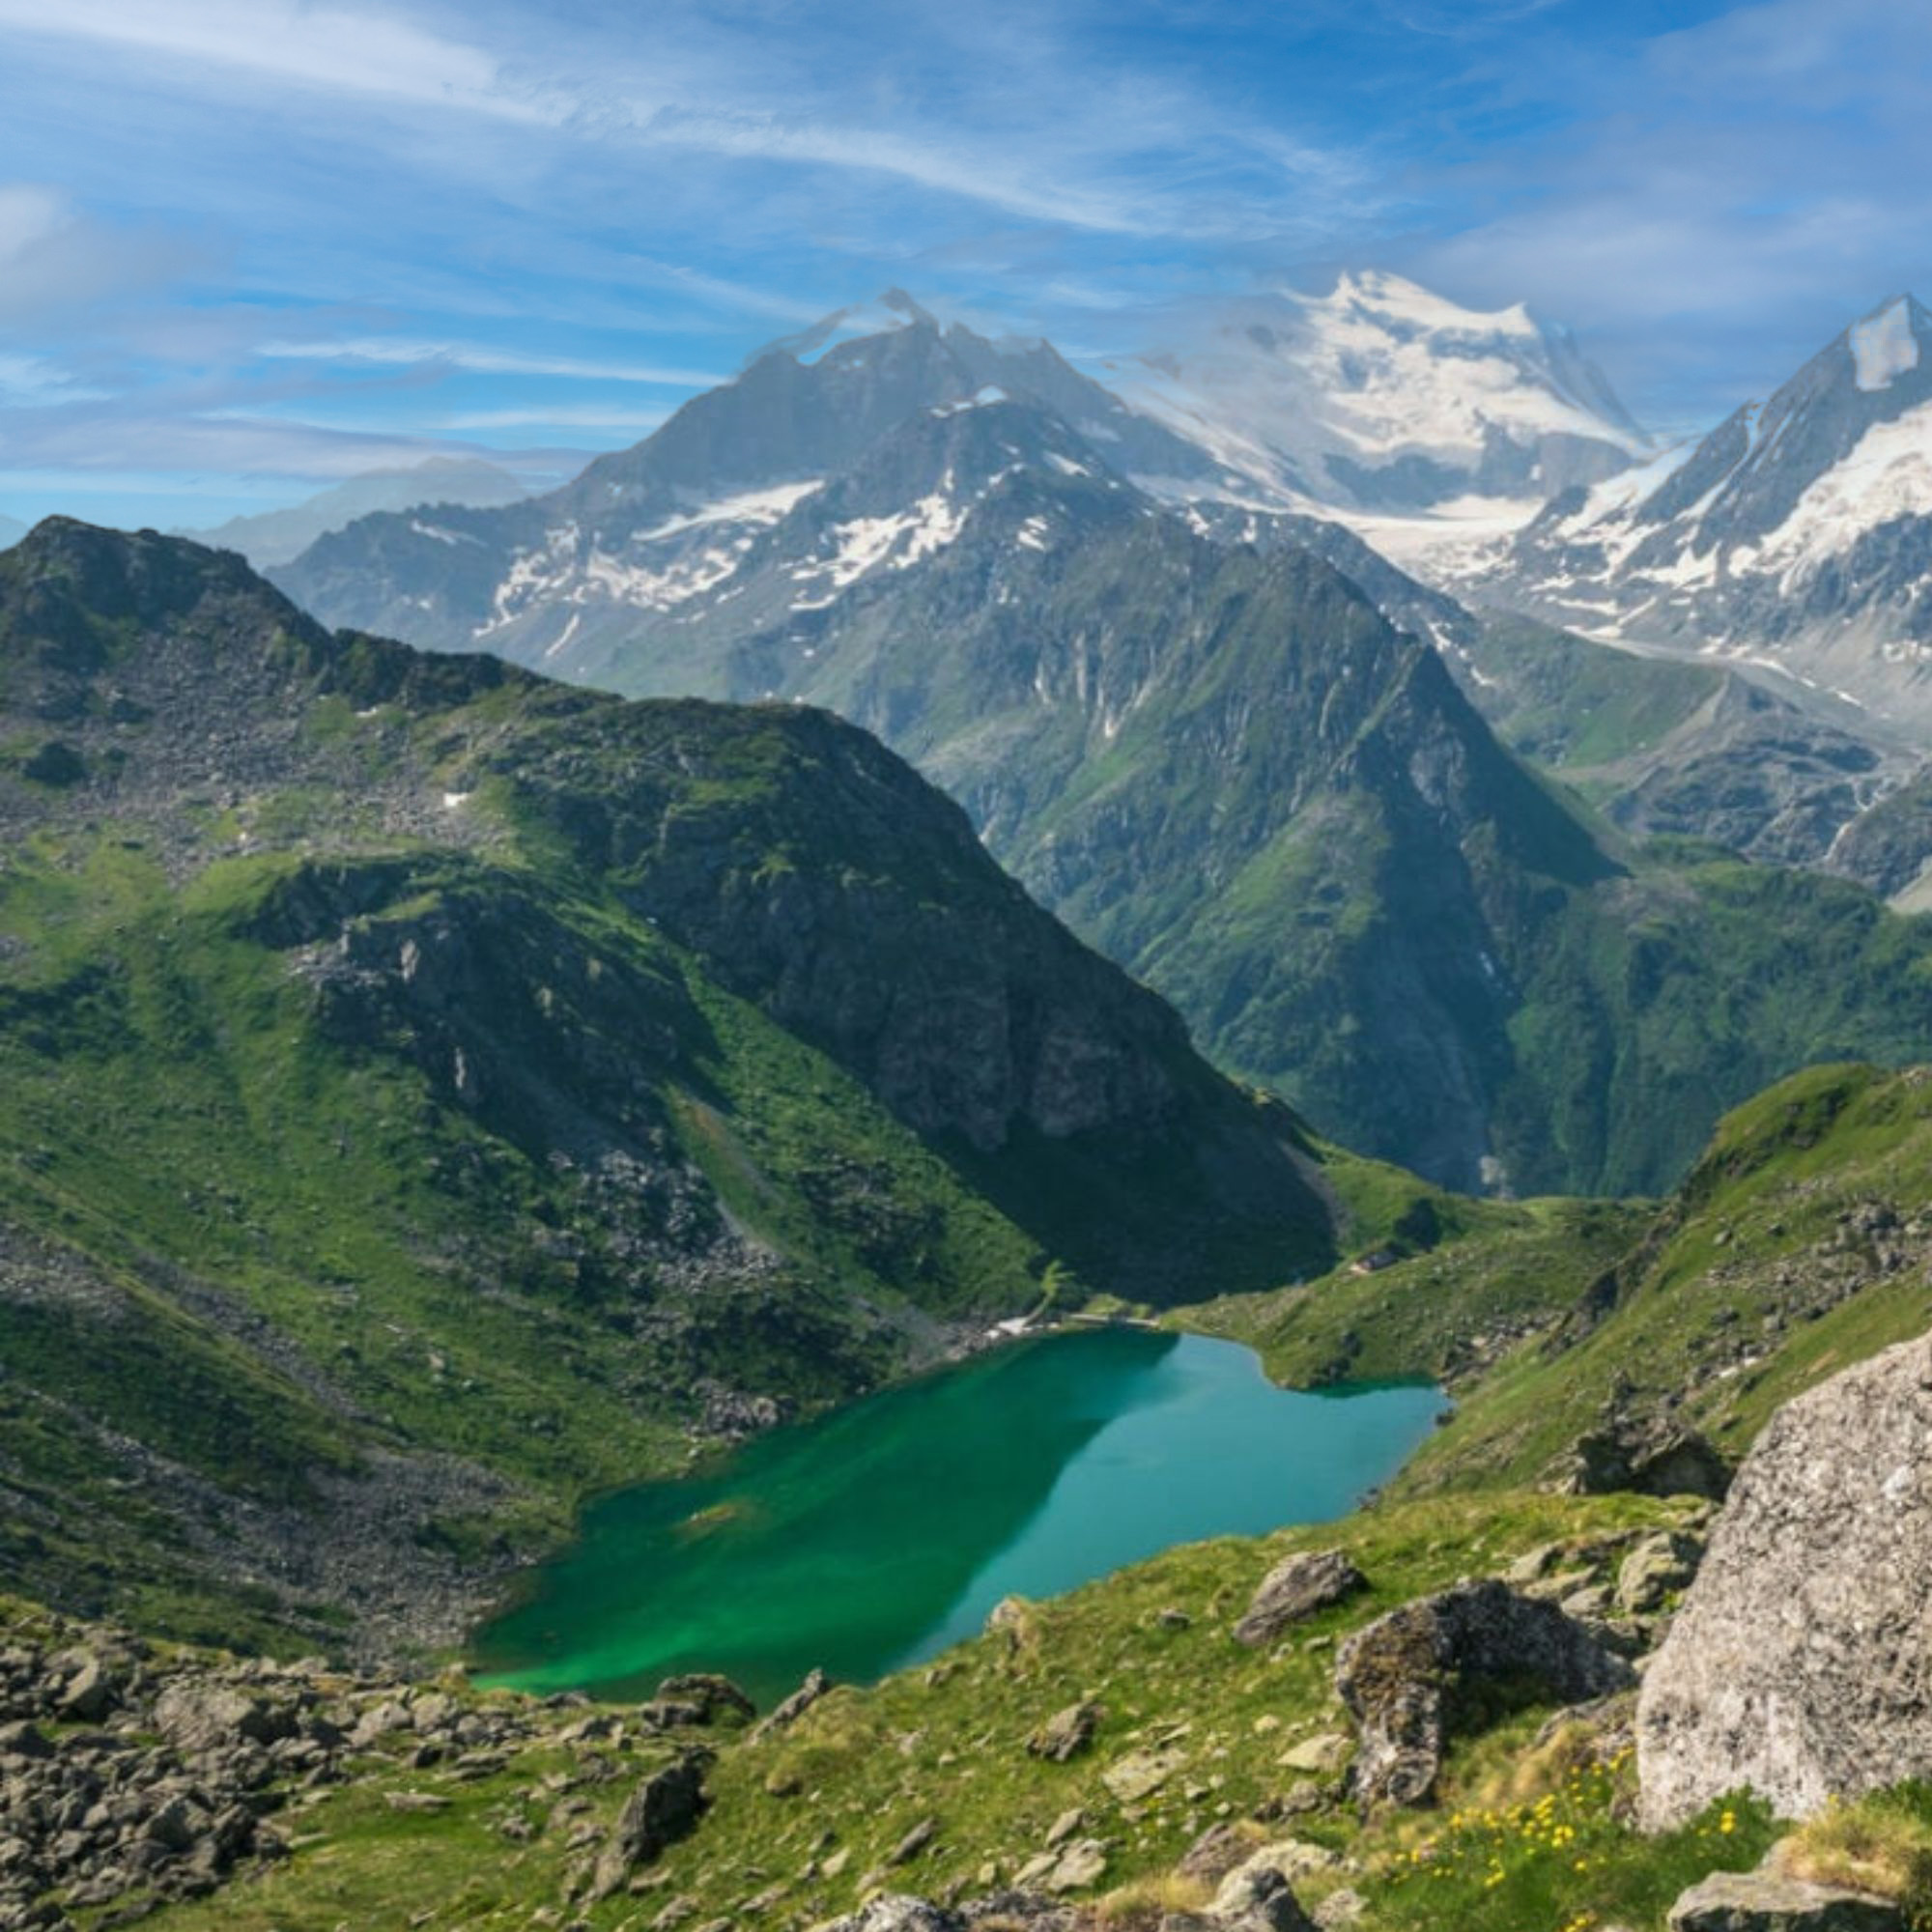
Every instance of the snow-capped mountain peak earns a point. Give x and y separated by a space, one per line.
1383 395
1800 529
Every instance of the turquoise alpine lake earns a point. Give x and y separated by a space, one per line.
882 1532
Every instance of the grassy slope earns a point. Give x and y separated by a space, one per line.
1796 1245
165 1096
1572 706
948 1743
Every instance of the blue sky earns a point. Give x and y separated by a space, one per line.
251 246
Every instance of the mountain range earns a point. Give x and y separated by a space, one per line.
1187 730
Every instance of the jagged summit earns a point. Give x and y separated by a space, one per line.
856 321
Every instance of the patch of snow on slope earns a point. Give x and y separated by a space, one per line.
895 542
1887 474
619 581
1883 346
753 507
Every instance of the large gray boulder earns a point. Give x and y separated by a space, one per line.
1801 1661
1395 1675
1296 1587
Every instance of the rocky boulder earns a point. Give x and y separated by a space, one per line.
1259 1899
897 1911
697 1698
1396 1677
1762 1901
1067 1733
1296 1587
196 1715
789 1710
1656 1565
662 1809
1801 1661
1653 1456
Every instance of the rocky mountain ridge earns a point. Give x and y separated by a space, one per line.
1796 530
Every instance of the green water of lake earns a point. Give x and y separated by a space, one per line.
886 1531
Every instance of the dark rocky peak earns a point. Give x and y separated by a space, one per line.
160 616
1764 456
65 572
800 410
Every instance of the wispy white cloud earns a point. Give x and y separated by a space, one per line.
334 49
586 417
404 353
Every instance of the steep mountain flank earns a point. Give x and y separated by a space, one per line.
472 1090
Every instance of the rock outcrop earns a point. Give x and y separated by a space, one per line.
1765 1902
1067 1733
1800 1663
1296 1587
662 1809
1396 1677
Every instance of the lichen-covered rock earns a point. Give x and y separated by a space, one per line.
1296 1587
1067 1733
1762 1901
1140 1773
1656 1565
1394 1676
1801 1661
899 1911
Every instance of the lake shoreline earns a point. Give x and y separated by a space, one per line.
1100 1443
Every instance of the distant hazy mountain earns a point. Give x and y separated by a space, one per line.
276 536
11 531
1381 396
1800 529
